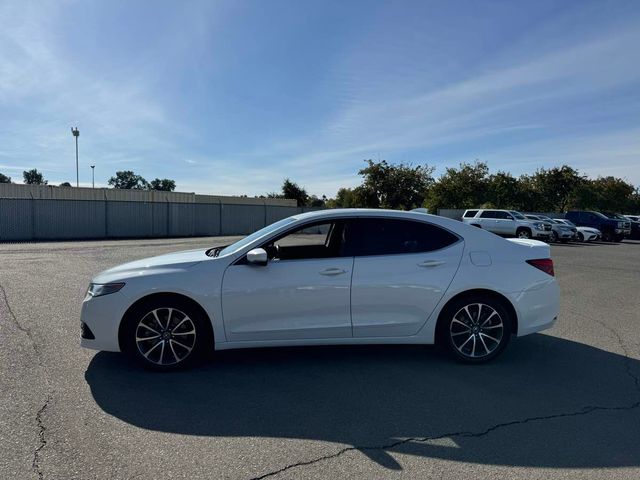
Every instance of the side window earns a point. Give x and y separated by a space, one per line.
470 213
488 214
502 215
318 240
385 236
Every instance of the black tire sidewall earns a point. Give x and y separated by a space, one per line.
203 341
455 306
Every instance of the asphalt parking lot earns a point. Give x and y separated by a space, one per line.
563 404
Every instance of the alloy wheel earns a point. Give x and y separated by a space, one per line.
165 336
523 234
476 330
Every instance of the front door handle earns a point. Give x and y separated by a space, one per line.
333 271
430 263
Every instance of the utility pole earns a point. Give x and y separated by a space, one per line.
76 133
93 176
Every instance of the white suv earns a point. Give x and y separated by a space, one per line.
508 223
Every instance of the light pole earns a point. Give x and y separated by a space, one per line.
76 133
93 176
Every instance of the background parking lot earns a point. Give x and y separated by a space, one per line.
562 403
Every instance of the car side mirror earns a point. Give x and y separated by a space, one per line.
257 256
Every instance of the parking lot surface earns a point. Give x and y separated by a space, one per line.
562 404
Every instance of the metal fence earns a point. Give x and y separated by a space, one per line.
23 219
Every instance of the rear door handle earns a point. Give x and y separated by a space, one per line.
430 263
333 271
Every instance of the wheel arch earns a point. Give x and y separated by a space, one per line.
476 291
163 295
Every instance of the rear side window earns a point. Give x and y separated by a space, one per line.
470 213
386 236
489 214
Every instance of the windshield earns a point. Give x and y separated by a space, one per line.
568 222
234 247
517 215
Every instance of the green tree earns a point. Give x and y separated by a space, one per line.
165 185
292 190
400 186
65 184
556 187
127 180
503 191
463 187
33 177
4 178
606 193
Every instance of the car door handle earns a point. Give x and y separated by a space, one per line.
333 271
430 263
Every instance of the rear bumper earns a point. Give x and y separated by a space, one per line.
537 307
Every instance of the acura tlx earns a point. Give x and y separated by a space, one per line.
330 277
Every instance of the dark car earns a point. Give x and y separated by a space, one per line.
613 229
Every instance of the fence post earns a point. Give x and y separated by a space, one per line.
168 216
33 217
220 218
265 213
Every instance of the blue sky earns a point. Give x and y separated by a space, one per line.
230 97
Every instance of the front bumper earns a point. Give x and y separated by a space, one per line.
101 316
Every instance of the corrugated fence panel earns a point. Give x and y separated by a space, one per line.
160 219
242 219
16 220
278 213
207 219
454 213
182 220
129 219
67 219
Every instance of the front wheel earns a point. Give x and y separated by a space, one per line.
476 329
165 335
523 233
580 237
554 237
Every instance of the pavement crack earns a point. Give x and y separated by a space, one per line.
35 465
390 446
42 441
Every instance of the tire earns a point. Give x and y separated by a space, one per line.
580 237
523 232
607 236
475 328
165 334
554 237
618 238
564 240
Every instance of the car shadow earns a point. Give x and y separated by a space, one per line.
559 403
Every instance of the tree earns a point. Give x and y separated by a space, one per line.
127 180
400 186
292 190
464 187
33 177
555 187
606 193
65 184
4 178
503 191
165 185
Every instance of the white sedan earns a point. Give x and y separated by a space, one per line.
328 277
583 234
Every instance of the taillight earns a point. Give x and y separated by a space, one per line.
544 264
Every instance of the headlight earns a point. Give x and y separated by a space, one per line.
539 226
99 289
620 224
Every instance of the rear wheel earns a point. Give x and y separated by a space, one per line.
607 236
523 233
554 236
166 335
476 329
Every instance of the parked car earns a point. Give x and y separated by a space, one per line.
635 226
613 229
345 276
560 232
507 223
583 234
